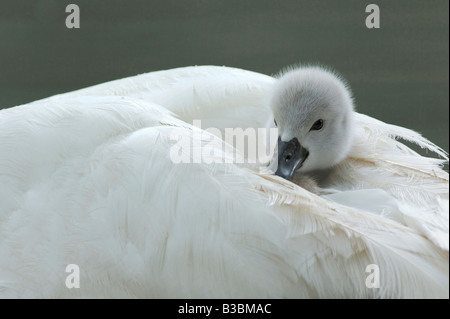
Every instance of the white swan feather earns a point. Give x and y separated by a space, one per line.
86 178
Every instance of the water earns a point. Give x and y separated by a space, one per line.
398 73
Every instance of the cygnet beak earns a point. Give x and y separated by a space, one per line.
291 156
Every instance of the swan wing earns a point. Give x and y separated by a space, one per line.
380 165
221 97
91 181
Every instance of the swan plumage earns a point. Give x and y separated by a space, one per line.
303 97
87 179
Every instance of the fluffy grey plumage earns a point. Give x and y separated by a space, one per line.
306 95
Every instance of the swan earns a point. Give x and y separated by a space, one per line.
314 111
86 178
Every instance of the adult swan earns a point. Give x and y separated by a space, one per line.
87 181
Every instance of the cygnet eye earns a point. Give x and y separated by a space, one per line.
317 125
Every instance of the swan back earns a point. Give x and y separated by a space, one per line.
87 179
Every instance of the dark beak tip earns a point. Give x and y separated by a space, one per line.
291 156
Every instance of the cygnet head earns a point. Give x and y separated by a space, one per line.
313 110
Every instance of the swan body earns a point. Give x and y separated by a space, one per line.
86 178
